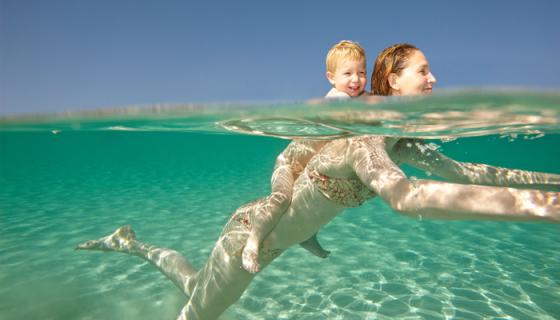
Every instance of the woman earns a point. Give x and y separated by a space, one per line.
401 70
345 173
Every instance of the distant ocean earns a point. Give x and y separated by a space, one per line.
176 173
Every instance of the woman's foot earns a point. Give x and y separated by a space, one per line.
312 245
120 240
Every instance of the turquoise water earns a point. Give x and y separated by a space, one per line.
177 188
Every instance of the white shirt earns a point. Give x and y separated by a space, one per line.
335 93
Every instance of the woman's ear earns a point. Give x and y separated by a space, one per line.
393 81
330 77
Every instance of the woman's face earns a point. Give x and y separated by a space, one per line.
415 79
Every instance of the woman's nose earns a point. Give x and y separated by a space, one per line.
431 78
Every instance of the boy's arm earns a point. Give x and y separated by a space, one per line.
289 165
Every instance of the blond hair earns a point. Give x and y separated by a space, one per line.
344 50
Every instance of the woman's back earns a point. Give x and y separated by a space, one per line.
327 186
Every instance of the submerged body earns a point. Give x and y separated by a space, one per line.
371 160
289 165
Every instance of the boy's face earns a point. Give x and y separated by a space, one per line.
349 77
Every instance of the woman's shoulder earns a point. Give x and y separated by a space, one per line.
369 139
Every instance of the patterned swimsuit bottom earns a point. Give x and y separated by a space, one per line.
347 192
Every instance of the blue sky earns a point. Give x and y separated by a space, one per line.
64 55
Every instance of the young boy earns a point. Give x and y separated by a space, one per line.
346 71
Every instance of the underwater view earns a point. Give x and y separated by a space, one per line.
176 173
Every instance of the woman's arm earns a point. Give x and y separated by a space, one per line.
420 155
442 200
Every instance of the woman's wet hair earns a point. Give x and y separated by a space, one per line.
391 60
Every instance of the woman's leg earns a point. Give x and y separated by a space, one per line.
223 279
214 288
169 262
312 245
219 284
